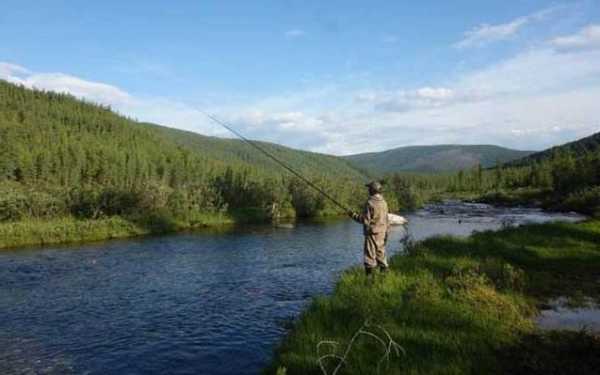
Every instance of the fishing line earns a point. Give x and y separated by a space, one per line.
276 160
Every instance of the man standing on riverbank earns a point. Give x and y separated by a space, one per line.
374 219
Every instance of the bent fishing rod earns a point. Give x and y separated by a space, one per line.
276 160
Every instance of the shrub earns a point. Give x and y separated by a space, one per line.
586 201
13 203
503 274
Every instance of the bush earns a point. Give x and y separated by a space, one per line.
305 200
586 201
18 202
504 275
13 203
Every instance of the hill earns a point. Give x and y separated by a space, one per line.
63 158
61 139
439 158
576 148
237 151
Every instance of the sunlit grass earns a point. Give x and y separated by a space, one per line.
453 304
69 229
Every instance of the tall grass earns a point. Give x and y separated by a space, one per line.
454 305
69 229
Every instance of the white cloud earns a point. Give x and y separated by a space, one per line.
405 100
59 82
535 71
11 70
586 38
485 33
294 33
535 99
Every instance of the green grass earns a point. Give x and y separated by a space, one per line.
455 305
69 229
36 232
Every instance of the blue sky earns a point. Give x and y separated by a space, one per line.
332 76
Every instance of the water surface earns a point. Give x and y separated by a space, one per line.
561 315
200 303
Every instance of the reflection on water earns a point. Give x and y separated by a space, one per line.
562 316
193 303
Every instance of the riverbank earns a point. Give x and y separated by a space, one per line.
458 306
586 202
73 230
38 232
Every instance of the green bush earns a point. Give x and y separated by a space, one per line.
13 203
503 274
586 201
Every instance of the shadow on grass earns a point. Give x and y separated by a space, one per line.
554 352
559 260
462 305
156 222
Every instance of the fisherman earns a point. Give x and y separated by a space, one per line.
375 229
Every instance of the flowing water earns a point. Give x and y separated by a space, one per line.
200 303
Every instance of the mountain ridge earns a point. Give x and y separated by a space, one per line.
434 158
578 147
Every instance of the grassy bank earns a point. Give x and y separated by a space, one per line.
457 306
586 201
35 232
69 229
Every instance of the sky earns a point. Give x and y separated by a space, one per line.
338 77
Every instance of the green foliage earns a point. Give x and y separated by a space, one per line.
433 159
578 148
565 181
404 196
62 157
459 305
305 200
586 201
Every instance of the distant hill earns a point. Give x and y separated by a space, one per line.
236 151
60 140
439 158
578 147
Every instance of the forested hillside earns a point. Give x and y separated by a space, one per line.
440 158
236 151
577 148
62 157
565 177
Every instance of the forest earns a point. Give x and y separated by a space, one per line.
62 158
564 179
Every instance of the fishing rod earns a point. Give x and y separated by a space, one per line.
276 160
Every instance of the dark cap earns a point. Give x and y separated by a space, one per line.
374 186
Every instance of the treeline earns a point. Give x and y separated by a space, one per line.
60 156
564 180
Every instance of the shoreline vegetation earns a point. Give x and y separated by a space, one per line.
73 230
458 305
72 171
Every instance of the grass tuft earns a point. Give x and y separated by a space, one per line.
454 305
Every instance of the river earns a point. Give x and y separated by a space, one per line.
194 303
